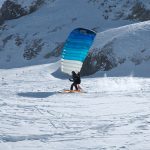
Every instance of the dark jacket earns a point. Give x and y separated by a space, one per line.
75 78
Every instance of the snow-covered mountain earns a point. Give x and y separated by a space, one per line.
124 51
113 113
33 31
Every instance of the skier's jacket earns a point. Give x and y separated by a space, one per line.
75 78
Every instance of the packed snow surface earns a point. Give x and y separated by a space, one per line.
114 114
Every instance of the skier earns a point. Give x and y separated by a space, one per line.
76 81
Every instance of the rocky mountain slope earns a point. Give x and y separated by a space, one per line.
127 48
33 31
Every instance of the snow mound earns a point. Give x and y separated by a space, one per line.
123 51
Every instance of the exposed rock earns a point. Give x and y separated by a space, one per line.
139 12
36 5
11 10
33 49
1 18
18 40
103 59
123 9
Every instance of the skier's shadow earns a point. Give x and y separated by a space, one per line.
36 94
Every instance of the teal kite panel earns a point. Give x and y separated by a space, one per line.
78 44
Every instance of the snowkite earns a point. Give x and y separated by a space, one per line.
76 49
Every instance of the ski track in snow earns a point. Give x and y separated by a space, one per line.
114 114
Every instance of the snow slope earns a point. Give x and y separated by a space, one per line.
27 40
113 114
47 28
127 47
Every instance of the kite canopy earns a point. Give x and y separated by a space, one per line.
76 49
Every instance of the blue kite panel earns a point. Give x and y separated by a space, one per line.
78 44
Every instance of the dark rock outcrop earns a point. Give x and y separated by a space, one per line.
96 60
33 49
1 18
11 10
139 12
35 6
